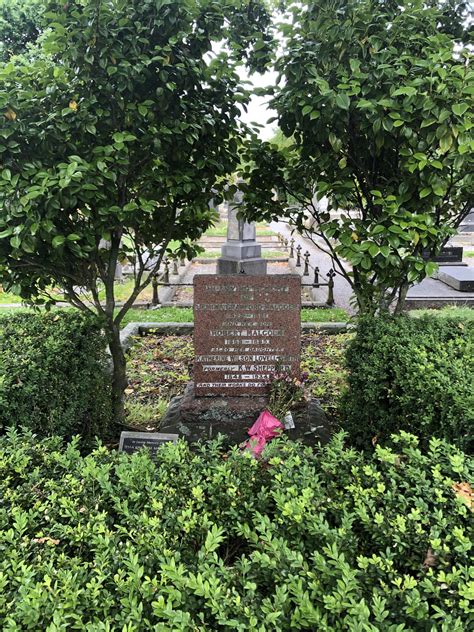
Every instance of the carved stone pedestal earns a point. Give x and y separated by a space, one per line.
241 254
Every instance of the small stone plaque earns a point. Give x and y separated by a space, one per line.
134 441
244 328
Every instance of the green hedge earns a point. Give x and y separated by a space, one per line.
204 540
411 374
53 374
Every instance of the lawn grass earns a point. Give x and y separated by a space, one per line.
324 315
14 310
160 315
220 230
122 292
266 254
7 297
185 315
308 314
468 253
461 313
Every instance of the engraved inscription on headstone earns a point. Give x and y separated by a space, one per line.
134 441
244 328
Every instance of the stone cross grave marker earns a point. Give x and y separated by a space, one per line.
241 253
245 328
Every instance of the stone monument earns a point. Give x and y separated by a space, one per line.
241 254
246 327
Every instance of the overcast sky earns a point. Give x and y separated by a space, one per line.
258 111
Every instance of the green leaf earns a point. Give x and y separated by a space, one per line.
394 228
445 143
460 108
342 100
335 142
58 241
428 122
364 104
15 241
425 192
430 267
355 65
405 91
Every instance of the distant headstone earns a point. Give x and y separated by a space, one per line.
134 441
245 328
241 253
448 254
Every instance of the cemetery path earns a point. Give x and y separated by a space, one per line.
342 289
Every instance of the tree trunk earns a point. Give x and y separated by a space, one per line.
401 298
119 374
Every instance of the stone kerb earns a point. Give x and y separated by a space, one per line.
133 330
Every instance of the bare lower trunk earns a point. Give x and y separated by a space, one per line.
119 374
402 295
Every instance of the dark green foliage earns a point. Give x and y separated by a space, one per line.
116 131
53 374
211 541
20 24
378 115
411 374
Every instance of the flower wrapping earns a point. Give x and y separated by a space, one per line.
265 428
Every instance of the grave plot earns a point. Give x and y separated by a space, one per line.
159 368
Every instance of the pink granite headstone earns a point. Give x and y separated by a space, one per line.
244 328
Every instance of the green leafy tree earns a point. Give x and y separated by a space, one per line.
115 134
377 98
20 24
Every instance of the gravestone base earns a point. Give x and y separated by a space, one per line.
201 418
252 267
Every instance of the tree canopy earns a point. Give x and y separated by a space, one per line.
377 98
116 131
20 24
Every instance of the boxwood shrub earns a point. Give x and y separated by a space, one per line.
53 374
413 374
207 540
